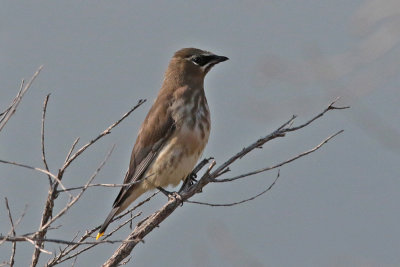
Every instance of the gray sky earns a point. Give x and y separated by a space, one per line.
337 207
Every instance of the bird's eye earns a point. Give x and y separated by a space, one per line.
201 61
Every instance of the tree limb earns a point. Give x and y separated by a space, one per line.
175 200
7 114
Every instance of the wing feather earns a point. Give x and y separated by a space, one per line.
154 133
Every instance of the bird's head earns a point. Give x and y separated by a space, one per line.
191 64
198 60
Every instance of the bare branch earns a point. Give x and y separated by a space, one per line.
34 168
238 202
21 87
53 193
11 110
2 240
105 185
41 234
146 226
37 238
62 256
52 240
105 132
73 264
175 200
280 164
102 241
42 136
330 107
280 132
141 231
72 149
72 249
46 221
75 199
30 240
14 245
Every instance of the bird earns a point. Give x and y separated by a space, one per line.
173 134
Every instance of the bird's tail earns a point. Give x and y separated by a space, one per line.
107 222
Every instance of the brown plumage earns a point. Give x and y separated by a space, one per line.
174 132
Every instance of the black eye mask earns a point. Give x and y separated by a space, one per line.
202 59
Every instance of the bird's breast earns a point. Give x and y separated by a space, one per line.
192 121
192 118
181 152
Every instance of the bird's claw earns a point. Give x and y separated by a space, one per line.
192 178
177 196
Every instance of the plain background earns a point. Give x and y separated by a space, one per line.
336 207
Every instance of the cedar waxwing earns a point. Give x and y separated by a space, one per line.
174 132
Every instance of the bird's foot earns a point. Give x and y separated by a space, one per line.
177 196
189 181
192 178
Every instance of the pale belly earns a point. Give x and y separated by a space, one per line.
176 159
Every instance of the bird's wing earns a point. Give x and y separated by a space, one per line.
155 131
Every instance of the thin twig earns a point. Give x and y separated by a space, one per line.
279 164
72 149
280 132
47 217
75 199
42 136
36 169
105 132
14 244
30 240
95 243
62 251
73 263
41 234
89 233
238 202
106 185
4 113
330 107
17 100
15 224
46 221
52 240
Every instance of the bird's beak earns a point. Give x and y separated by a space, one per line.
214 60
218 59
